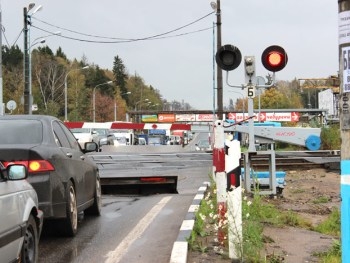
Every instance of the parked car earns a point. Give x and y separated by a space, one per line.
67 182
174 140
203 145
156 141
21 220
142 141
103 136
83 135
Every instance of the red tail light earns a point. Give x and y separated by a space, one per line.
34 166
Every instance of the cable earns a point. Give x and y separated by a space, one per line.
122 39
20 33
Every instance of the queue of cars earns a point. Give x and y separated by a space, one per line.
45 174
100 136
65 180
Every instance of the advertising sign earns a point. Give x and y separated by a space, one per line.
166 118
267 116
204 117
185 117
149 118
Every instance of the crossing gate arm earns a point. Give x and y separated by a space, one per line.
307 137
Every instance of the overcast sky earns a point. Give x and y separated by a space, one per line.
181 67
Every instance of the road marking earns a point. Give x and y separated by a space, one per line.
116 255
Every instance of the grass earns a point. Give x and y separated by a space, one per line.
256 213
322 200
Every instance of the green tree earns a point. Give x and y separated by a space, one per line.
60 53
45 50
11 57
120 77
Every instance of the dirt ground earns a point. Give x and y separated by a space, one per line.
289 244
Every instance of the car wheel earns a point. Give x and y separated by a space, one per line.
70 223
95 209
29 251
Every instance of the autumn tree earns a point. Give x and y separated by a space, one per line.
104 107
47 83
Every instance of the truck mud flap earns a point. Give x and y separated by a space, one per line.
140 185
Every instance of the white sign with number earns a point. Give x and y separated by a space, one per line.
346 69
251 91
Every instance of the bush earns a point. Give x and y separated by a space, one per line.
330 137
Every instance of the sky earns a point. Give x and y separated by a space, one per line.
179 62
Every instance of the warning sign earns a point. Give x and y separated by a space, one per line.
346 69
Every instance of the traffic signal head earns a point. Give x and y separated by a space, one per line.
249 68
274 58
228 57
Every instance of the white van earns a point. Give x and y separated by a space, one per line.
142 141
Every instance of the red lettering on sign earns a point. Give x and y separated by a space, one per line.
286 134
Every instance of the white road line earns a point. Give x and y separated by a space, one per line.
117 254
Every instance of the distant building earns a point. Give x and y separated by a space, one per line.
327 100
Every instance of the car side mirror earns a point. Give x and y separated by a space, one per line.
90 147
16 172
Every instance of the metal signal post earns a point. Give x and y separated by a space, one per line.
344 77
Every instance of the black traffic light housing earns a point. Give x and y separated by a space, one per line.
228 57
274 58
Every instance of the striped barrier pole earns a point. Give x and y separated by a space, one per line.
234 198
220 177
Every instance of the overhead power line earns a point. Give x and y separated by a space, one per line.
123 40
126 40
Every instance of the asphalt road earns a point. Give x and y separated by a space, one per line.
133 228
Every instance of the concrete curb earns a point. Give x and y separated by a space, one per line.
180 247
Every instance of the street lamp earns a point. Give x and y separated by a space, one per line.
140 102
65 91
93 97
115 105
27 99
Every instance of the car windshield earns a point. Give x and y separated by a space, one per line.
203 143
101 131
80 130
21 132
154 140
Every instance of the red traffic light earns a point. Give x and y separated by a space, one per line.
228 57
274 58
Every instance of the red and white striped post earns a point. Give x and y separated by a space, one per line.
234 198
220 177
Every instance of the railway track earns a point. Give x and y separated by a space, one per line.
297 160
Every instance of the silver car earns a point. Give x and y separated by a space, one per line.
21 220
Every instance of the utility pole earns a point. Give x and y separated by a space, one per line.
344 77
219 84
26 93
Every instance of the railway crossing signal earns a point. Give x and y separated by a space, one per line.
228 57
274 58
